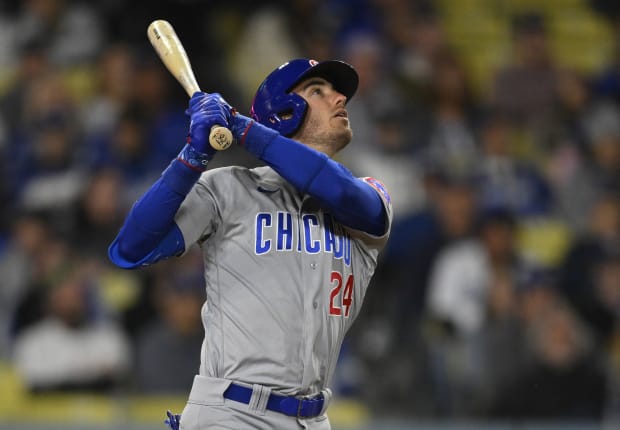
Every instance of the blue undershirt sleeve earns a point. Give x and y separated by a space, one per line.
149 233
350 200
172 244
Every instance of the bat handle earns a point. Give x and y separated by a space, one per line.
220 137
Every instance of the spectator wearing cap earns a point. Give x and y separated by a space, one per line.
525 88
448 217
459 280
503 180
461 288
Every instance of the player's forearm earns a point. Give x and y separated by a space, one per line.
150 233
347 198
151 219
351 201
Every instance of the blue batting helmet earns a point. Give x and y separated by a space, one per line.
276 107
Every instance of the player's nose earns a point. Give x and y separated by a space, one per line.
340 99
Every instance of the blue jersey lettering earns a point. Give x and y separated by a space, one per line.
306 230
312 246
285 231
263 220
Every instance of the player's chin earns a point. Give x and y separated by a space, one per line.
343 138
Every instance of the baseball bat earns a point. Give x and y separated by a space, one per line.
170 49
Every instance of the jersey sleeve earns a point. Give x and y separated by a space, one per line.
198 216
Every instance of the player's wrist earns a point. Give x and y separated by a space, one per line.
239 126
253 136
195 159
180 177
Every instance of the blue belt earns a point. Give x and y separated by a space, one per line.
291 406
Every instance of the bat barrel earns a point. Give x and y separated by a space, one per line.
168 46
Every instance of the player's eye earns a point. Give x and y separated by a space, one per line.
316 90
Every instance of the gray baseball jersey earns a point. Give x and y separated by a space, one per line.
284 280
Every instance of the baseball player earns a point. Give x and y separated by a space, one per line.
289 248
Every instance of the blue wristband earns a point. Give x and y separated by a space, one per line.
253 136
257 137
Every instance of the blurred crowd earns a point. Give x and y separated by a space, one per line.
498 295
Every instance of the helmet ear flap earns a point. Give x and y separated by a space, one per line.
290 114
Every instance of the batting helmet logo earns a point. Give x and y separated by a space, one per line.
276 107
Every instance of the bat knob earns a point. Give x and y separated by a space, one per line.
220 137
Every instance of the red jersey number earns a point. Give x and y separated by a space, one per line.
341 295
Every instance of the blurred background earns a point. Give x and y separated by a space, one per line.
495 124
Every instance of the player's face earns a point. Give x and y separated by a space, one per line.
326 126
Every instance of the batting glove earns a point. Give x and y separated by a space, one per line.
205 111
173 420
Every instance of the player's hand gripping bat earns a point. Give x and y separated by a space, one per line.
173 55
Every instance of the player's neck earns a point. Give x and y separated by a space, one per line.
325 149
329 147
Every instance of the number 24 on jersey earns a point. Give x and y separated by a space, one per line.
341 296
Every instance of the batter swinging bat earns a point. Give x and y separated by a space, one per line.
173 55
